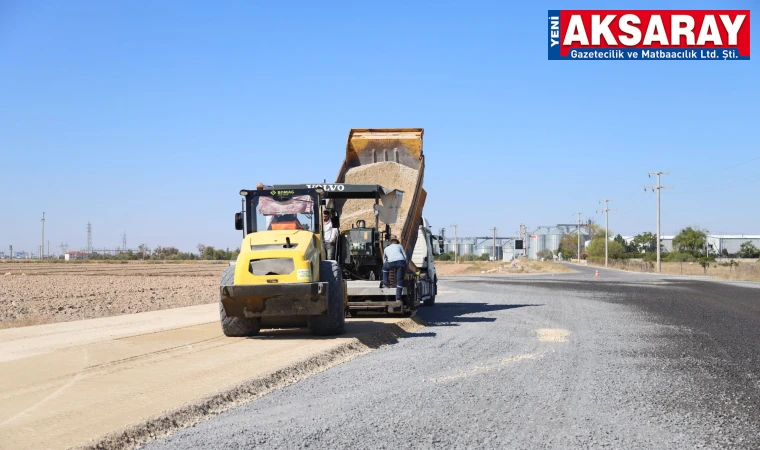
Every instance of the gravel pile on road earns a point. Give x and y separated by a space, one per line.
387 174
33 300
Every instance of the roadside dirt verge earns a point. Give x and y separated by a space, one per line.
517 267
743 270
190 414
117 382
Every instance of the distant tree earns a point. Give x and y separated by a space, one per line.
674 257
201 249
485 257
211 253
730 264
545 254
705 262
724 253
690 240
596 231
595 249
616 250
644 242
449 256
748 250
568 246
143 250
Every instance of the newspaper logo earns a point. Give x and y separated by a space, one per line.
717 35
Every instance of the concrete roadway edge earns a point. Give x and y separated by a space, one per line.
168 422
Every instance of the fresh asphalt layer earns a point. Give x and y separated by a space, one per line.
558 361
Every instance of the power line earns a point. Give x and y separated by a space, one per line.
729 167
721 187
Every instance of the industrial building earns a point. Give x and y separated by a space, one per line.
731 243
68 256
476 247
549 238
545 238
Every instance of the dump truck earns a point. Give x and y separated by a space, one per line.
393 158
282 278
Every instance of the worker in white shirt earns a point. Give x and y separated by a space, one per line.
394 258
331 236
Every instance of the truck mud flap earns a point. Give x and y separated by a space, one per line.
282 299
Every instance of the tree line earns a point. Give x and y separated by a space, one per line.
449 256
160 253
689 245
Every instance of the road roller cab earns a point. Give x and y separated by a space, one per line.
281 278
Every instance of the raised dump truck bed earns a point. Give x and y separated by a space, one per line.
392 158
366 152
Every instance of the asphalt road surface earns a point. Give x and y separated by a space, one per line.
552 361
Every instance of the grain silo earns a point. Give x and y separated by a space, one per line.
545 238
487 246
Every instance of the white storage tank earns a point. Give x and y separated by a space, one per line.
487 247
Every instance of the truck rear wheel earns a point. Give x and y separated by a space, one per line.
431 300
334 322
235 326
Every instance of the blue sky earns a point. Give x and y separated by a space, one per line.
149 118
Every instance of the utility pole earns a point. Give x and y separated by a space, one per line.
42 244
494 243
48 252
579 237
606 211
11 249
659 187
89 238
456 246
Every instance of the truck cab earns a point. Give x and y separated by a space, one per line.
428 246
